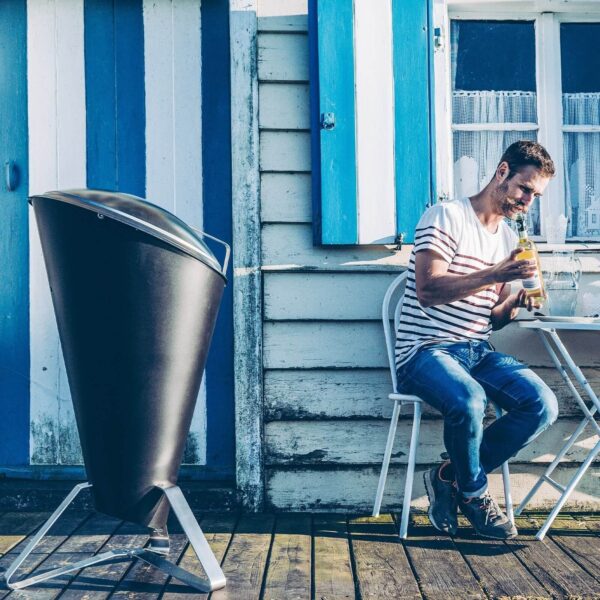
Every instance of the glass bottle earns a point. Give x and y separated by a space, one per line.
534 285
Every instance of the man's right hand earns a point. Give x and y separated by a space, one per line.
511 269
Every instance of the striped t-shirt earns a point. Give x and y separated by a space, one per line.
454 232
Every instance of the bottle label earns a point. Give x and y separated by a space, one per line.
532 283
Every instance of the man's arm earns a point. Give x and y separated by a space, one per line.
436 286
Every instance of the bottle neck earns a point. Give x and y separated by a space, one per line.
521 230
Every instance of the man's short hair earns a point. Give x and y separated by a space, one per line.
524 153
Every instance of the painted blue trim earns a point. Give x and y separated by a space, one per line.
432 142
338 192
216 193
115 101
412 99
14 238
315 130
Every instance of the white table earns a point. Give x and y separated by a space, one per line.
547 331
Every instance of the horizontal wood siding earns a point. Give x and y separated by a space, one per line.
326 377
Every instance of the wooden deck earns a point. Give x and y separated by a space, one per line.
318 556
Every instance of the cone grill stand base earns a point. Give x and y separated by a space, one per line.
215 579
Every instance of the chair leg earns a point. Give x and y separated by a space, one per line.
410 471
386 458
506 481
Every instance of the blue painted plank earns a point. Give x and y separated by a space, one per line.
413 103
115 100
14 238
337 195
216 193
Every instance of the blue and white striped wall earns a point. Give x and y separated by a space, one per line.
372 143
128 95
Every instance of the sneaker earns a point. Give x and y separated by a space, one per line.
487 518
442 501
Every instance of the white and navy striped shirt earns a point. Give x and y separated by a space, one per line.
454 232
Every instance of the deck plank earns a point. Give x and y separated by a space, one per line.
441 570
246 559
16 526
333 576
560 575
576 540
289 570
85 540
500 572
98 582
218 529
145 582
382 568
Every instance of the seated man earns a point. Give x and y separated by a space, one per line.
457 291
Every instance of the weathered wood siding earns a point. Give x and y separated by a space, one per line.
325 373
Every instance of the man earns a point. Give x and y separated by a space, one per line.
457 291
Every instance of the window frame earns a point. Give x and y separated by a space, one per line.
547 15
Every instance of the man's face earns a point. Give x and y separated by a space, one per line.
514 195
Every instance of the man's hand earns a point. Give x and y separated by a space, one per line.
508 307
511 269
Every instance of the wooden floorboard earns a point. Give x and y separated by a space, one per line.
289 569
556 571
382 568
218 529
315 556
440 569
332 565
246 559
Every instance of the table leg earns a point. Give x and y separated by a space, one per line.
589 418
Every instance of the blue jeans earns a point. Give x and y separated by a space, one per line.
457 378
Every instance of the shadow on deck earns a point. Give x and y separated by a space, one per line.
321 556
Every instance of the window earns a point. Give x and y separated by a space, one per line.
504 76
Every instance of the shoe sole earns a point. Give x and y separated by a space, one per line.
431 497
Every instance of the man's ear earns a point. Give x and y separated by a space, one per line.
502 172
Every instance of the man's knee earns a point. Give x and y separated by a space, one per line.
468 407
547 407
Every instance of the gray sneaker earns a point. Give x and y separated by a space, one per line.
442 501
487 518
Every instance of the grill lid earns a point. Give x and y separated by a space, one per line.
142 215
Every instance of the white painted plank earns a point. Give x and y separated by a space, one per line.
353 489
57 159
187 111
284 151
247 284
339 296
283 57
172 61
355 442
280 24
375 120
158 65
285 197
290 246
319 345
360 393
309 344
284 106
275 8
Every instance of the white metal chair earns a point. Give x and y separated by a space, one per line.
393 298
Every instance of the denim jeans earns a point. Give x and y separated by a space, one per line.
457 378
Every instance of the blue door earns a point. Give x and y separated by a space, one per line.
14 236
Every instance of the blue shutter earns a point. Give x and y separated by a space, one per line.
14 236
114 94
413 103
331 33
333 118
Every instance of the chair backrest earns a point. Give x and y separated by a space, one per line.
390 313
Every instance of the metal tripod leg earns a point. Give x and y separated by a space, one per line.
215 577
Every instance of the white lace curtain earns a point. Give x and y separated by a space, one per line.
476 153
